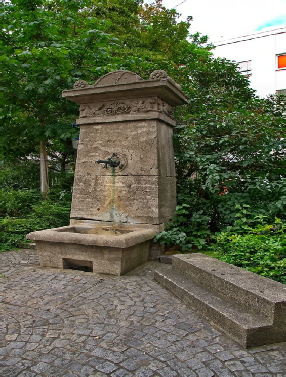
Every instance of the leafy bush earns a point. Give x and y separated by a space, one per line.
186 230
22 176
17 203
229 153
13 231
25 176
42 215
262 250
51 215
250 242
23 210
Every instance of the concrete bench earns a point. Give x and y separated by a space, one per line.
249 308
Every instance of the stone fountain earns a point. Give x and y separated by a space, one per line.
125 186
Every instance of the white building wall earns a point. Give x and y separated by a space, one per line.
262 50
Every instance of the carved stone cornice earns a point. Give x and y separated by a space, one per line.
119 85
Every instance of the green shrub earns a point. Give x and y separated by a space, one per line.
51 215
21 176
186 230
13 231
26 176
262 250
42 215
17 203
61 181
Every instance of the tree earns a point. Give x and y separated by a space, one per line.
230 153
47 46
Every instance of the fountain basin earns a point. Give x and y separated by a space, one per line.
111 249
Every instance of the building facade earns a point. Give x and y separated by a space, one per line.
260 56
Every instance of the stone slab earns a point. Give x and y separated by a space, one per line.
249 308
256 293
119 235
244 327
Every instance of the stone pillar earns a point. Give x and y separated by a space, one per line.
123 114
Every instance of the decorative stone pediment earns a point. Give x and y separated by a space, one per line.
118 77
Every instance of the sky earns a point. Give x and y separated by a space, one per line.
224 19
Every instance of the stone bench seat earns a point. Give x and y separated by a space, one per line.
248 307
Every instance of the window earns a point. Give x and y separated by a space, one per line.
245 67
281 61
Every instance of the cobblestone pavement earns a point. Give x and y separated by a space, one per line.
71 323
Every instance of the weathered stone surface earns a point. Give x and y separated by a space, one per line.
144 149
130 120
103 260
157 228
106 250
125 172
137 142
131 199
119 235
124 115
248 307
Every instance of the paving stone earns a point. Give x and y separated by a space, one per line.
195 364
223 372
277 367
243 373
59 362
234 365
130 364
143 372
165 356
11 337
257 368
27 374
167 372
107 367
86 371
11 372
186 373
64 324
204 372
204 356
121 373
176 364
115 357
40 367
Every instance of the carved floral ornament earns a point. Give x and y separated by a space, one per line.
137 106
158 75
80 84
